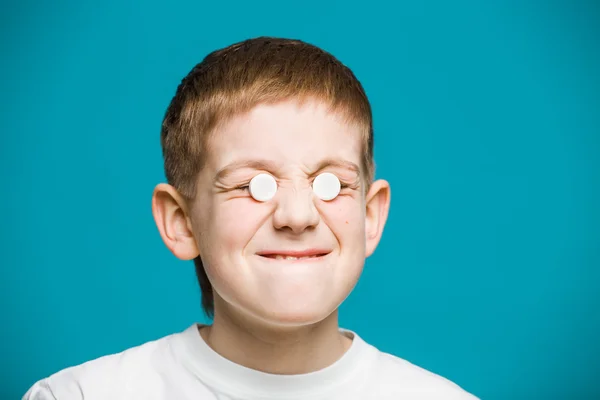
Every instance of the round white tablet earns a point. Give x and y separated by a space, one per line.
327 186
263 187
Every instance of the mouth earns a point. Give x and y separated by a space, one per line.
306 255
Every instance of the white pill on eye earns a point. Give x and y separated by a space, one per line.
263 187
327 186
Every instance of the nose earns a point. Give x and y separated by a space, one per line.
296 210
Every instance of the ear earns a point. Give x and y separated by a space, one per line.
170 214
378 204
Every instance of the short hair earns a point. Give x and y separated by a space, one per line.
235 79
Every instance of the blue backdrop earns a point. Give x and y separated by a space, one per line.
487 126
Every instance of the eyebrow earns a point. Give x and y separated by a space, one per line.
229 169
338 163
268 165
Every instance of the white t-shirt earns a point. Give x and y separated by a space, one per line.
182 366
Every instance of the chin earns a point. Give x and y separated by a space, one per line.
294 315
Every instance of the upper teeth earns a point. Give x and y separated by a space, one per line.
280 257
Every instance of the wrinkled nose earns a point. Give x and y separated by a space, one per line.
296 210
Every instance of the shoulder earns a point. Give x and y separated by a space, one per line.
395 376
111 376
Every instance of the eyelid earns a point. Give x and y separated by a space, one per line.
343 183
350 177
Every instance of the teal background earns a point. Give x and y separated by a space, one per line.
487 118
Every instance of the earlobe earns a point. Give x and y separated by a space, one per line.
168 209
378 204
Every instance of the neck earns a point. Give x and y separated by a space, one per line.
275 350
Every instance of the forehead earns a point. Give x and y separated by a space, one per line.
285 132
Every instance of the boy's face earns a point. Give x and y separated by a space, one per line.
232 231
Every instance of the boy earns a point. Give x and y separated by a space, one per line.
268 151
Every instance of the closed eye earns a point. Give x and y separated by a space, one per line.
352 186
247 186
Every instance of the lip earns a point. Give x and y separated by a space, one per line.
294 253
300 261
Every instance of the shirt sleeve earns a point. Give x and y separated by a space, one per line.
39 391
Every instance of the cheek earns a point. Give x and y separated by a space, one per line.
233 223
226 229
345 217
347 210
